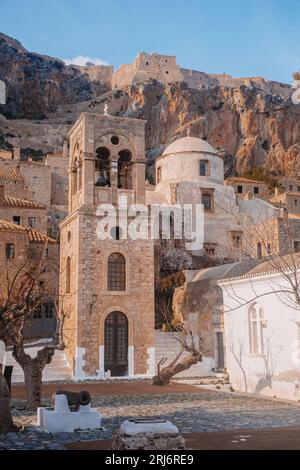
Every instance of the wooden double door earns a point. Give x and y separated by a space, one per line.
116 344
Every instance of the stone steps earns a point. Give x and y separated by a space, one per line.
167 346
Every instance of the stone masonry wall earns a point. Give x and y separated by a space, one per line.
162 68
8 212
137 302
68 302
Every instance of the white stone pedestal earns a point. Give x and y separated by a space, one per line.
147 435
61 419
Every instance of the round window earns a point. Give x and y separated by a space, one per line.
114 140
116 233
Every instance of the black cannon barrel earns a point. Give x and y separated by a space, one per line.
75 399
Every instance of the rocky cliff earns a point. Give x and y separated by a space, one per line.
252 122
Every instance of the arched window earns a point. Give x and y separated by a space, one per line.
116 272
125 169
68 275
79 175
74 178
158 175
256 329
102 167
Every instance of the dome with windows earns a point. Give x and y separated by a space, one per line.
188 145
189 159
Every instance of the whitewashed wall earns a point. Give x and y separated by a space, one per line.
276 372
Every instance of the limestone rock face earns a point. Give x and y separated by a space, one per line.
249 126
252 122
37 84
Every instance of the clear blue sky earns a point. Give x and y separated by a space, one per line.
242 38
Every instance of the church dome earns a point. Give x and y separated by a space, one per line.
189 144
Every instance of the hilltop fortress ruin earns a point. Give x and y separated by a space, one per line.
164 69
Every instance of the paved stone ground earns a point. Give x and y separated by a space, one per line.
199 411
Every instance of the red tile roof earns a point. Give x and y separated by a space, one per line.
240 179
34 235
37 237
10 174
16 202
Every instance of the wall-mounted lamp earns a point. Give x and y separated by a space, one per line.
93 302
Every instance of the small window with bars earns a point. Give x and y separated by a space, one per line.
116 275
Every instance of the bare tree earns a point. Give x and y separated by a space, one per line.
6 422
267 236
27 286
190 346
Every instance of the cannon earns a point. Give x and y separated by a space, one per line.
75 399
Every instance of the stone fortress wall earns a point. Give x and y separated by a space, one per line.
164 69
101 73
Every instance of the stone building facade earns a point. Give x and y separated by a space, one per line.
106 285
23 248
245 187
13 183
59 165
22 212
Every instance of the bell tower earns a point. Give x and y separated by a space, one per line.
107 159
106 285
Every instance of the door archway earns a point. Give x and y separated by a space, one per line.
116 344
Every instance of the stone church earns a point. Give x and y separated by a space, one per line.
107 286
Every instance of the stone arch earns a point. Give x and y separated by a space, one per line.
255 323
125 160
102 166
75 153
116 272
116 249
104 315
103 140
116 343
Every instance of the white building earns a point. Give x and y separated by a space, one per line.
191 171
262 331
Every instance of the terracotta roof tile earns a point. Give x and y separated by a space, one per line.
6 225
34 235
271 265
16 202
38 237
10 175
56 154
240 179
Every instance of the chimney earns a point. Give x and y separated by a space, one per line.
17 153
1 194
